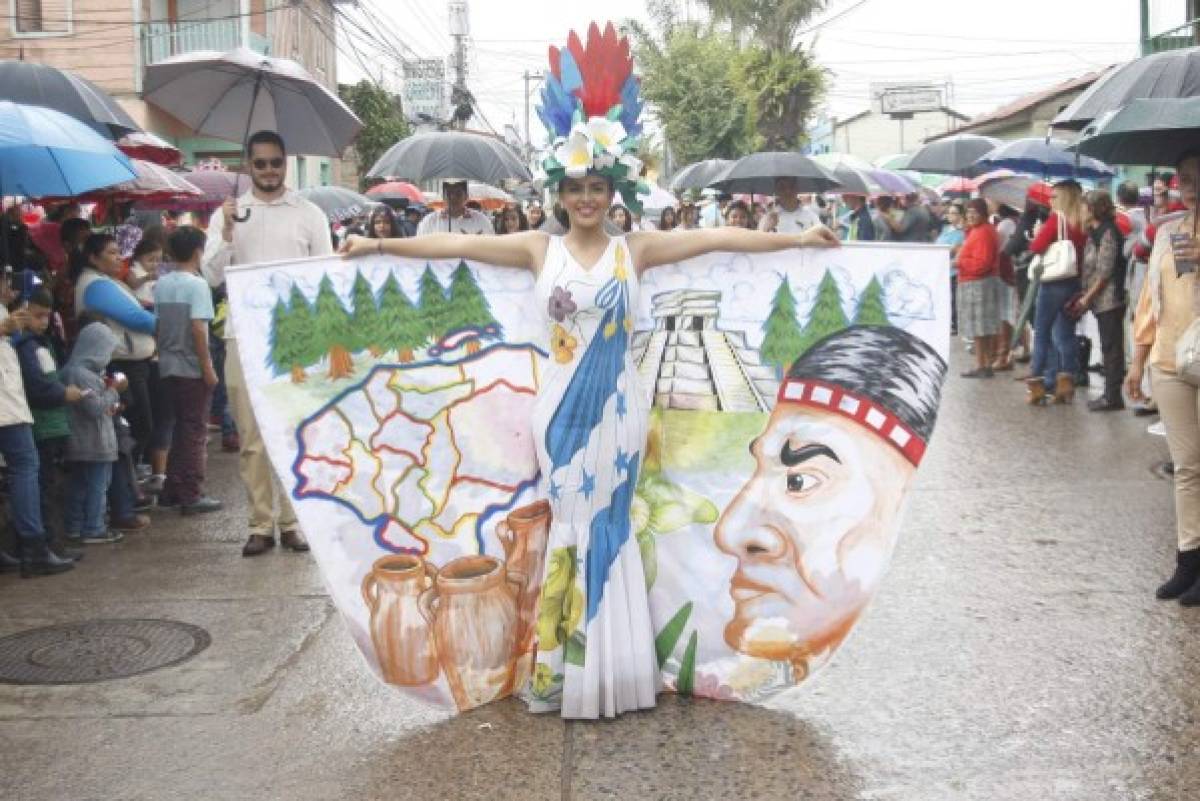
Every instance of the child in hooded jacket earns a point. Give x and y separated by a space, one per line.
92 446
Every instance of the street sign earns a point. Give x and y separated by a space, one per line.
907 98
425 89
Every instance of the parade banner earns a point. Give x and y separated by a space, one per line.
791 394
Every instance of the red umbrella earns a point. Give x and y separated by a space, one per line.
214 187
397 188
153 184
149 147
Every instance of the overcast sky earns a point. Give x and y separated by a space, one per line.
987 52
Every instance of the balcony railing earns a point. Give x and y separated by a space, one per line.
1175 39
164 39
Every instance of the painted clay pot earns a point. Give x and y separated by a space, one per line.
472 609
524 535
403 640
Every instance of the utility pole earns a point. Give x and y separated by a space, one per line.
459 30
527 77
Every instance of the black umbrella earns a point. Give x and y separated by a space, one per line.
337 203
699 175
1175 73
757 172
952 155
450 155
40 85
1144 132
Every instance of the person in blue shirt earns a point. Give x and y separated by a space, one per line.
953 235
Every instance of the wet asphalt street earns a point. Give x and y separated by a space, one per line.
1015 651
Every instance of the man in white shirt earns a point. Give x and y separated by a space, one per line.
456 218
789 216
278 224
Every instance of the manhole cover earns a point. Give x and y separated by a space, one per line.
1164 470
97 650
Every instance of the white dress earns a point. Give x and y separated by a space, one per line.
596 652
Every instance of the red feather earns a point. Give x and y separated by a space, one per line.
555 63
604 65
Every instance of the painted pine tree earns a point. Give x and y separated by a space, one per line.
400 324
828 316
871 310
435 307
367 333
334 330
781 342
468 306
292 344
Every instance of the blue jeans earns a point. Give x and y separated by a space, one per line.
84 513
122 496
24 498
1054 348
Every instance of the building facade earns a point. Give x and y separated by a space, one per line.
871 134
110 42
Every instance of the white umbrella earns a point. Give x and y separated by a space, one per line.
658 199
228 95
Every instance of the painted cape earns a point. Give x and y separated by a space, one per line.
396 400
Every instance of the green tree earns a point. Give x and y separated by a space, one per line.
334 330
367 333
468 306
782 339
383 120
435 308
399 321
291 336
777 76
687 77
871 310
827 316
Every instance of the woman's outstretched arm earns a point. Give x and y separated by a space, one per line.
655 248
526 249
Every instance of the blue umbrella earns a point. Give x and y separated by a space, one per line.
1048 159
45 153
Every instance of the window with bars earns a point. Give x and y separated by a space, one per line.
41 17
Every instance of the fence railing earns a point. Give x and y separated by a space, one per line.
1175 39
164 39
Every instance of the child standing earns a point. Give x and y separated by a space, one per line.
48 399
92 446
184 305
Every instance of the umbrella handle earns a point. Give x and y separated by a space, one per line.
242 216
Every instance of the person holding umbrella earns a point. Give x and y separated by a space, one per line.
456 218
591 426
789 215
282 225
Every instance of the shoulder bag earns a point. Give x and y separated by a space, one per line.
1058 263
1187 347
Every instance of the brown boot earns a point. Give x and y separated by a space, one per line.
1037 391
1064 388
258 544
293 540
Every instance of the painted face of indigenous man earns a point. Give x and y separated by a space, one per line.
814 527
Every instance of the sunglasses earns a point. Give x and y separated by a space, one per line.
262 164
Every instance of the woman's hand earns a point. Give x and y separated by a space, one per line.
819 237
356 245
1133 381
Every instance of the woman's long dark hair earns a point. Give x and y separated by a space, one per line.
92 247
386 212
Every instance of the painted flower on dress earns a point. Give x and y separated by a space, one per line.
575 154
563 344
708 685
561 304
561 607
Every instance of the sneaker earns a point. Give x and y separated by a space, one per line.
143 504
166 502
201 505
154 484
103 538
231 443
214 422
135 523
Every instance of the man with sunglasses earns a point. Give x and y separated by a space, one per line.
274 224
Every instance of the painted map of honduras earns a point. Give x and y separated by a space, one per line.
415 447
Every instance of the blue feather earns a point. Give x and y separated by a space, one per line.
609 531
557 108
571 78
593 383
631 106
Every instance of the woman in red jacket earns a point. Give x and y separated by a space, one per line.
978 293
1055 353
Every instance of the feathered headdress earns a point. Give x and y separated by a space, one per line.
590 106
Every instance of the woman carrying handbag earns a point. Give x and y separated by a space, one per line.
1058 253
1165 331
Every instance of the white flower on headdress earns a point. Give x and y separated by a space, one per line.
575 154
604 161
607 134
632 164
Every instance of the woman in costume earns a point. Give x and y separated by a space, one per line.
595 639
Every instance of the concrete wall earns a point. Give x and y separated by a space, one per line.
873 135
